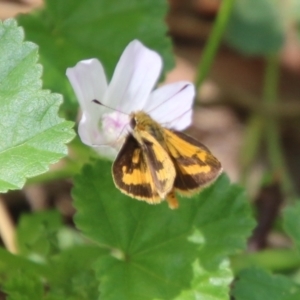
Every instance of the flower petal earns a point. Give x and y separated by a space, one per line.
135 76
171 105
89 82
88 132
95 139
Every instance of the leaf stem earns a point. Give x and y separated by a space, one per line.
214 40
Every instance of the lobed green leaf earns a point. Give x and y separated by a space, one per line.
223 220
151 248
149 252
33 136
209 285
257 284
71 273
291 223
36 234
24 286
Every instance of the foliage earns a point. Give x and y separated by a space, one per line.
153 247
256 26
255 284
292 223
124 248
70 31
33 136
139 251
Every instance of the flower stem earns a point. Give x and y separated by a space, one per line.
214 40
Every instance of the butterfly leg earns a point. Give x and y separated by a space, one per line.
172 200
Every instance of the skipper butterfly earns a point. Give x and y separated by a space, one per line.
155 162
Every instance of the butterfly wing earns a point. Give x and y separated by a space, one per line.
159 162
195 165
141 171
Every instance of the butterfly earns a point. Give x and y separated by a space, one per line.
155 163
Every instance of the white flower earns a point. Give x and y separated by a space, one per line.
130 90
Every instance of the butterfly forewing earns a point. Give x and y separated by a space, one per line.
140 170
195 166
160 164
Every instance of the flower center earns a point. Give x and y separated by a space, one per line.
114 125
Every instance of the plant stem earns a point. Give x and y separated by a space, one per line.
271 79
214 40
251 143
7 228
276 260
272 129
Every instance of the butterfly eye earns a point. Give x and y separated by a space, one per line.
132 123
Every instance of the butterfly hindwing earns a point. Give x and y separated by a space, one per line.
195 166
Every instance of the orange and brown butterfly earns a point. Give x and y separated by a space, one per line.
156 160
154 163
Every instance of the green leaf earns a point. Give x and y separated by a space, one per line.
291 223
24 286
68 275
209 285
256 27
33 136
12 264
223 220
149 252
37 234
69 31
257 284
71 274
152 248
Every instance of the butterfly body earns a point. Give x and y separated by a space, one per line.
155 162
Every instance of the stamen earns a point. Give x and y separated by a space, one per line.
113 125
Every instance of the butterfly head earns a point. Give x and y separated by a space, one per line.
140 120
141 124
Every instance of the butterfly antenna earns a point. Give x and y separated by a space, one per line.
179 116
183 88
100 103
